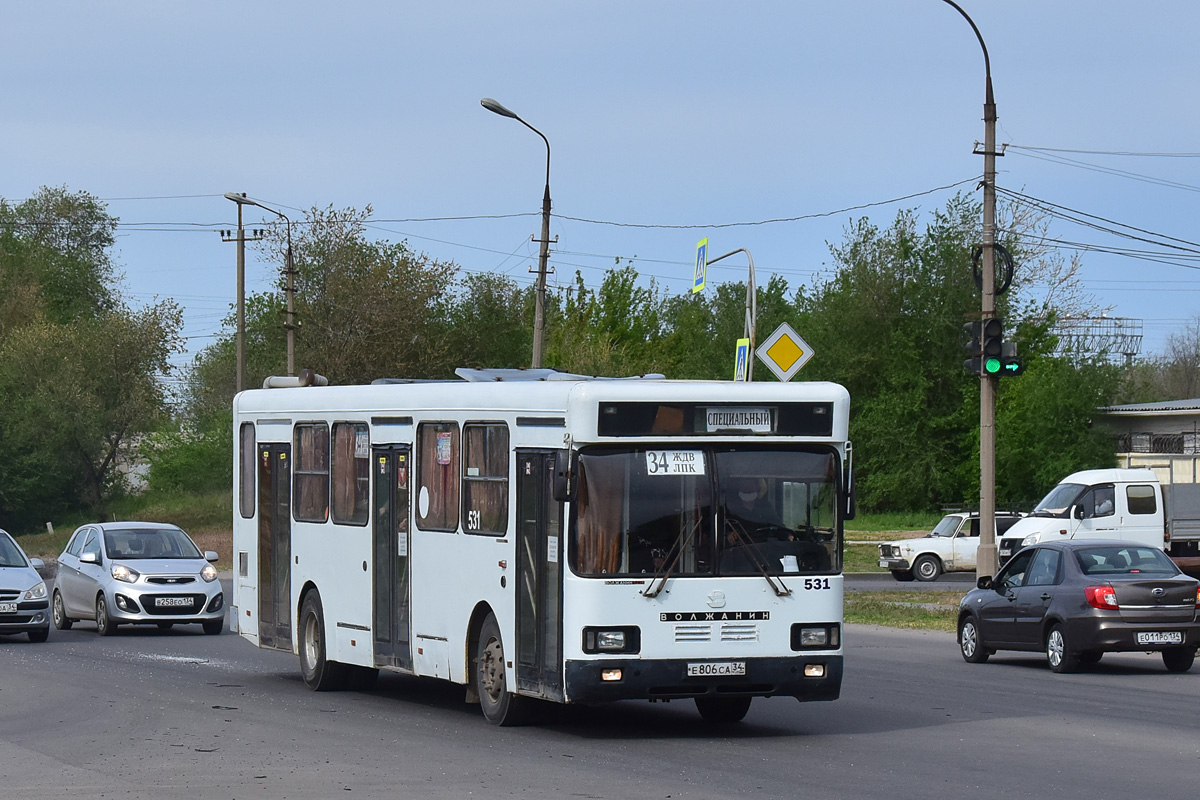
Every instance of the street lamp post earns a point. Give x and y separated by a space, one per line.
539 312
986 563
240 199
751 309
243 200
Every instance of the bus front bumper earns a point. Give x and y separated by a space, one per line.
668 679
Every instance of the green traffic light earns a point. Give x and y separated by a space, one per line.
991 365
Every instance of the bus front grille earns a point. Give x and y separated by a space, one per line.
693 633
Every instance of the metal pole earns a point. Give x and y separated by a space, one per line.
241 302
291 309
751 325
985 560
539 309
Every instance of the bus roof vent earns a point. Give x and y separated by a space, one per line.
306 378
522 374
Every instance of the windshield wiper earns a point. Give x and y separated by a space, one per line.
674 553
739 537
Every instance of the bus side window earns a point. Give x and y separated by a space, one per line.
350 474
485 478
311 472
437 476
247 471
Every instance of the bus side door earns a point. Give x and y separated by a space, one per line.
275 546
391 600
539 577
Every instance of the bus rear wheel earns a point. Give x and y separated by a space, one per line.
321 674
500 706
723 710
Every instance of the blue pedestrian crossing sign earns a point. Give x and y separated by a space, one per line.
701 265
741 364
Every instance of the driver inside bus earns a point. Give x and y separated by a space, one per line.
748 511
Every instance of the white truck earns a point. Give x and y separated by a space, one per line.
1127 504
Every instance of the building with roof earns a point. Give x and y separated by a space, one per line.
1162 436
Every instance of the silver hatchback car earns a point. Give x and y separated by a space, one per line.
23 604
145 573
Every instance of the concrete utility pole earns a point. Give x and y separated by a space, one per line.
986 555
539 312
241 240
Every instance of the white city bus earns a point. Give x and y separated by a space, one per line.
536 535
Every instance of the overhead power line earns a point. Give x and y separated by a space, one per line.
1131 153
770 221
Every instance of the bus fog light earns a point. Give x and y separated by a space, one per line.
610 640
814 637
814 670
610 675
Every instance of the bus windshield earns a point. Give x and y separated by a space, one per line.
718 510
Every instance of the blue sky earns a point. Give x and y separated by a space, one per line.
666 113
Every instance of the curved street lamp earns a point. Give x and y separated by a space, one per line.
539 313
986 556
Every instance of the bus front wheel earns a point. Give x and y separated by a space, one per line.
500 706
319 672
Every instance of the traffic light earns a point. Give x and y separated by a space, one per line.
992 345
988 353
974 331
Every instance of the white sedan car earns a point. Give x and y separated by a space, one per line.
949 547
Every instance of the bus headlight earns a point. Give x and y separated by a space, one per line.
816 637
616 639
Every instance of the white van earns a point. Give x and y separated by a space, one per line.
1124 504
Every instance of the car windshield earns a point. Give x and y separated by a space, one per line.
1125 559
704 511
10 554
946 527
1059 501
134 543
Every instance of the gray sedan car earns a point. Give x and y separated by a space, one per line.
146 573
23 604
1077 599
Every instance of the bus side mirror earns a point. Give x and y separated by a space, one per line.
566 462
851 497
1078 512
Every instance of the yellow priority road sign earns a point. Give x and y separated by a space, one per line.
784 352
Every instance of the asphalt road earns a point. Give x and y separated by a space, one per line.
178 714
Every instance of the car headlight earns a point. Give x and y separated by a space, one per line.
209 573
37 592
124 573
1030 539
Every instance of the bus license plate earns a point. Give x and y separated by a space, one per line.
162 602
704 669
1160 637
8 608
